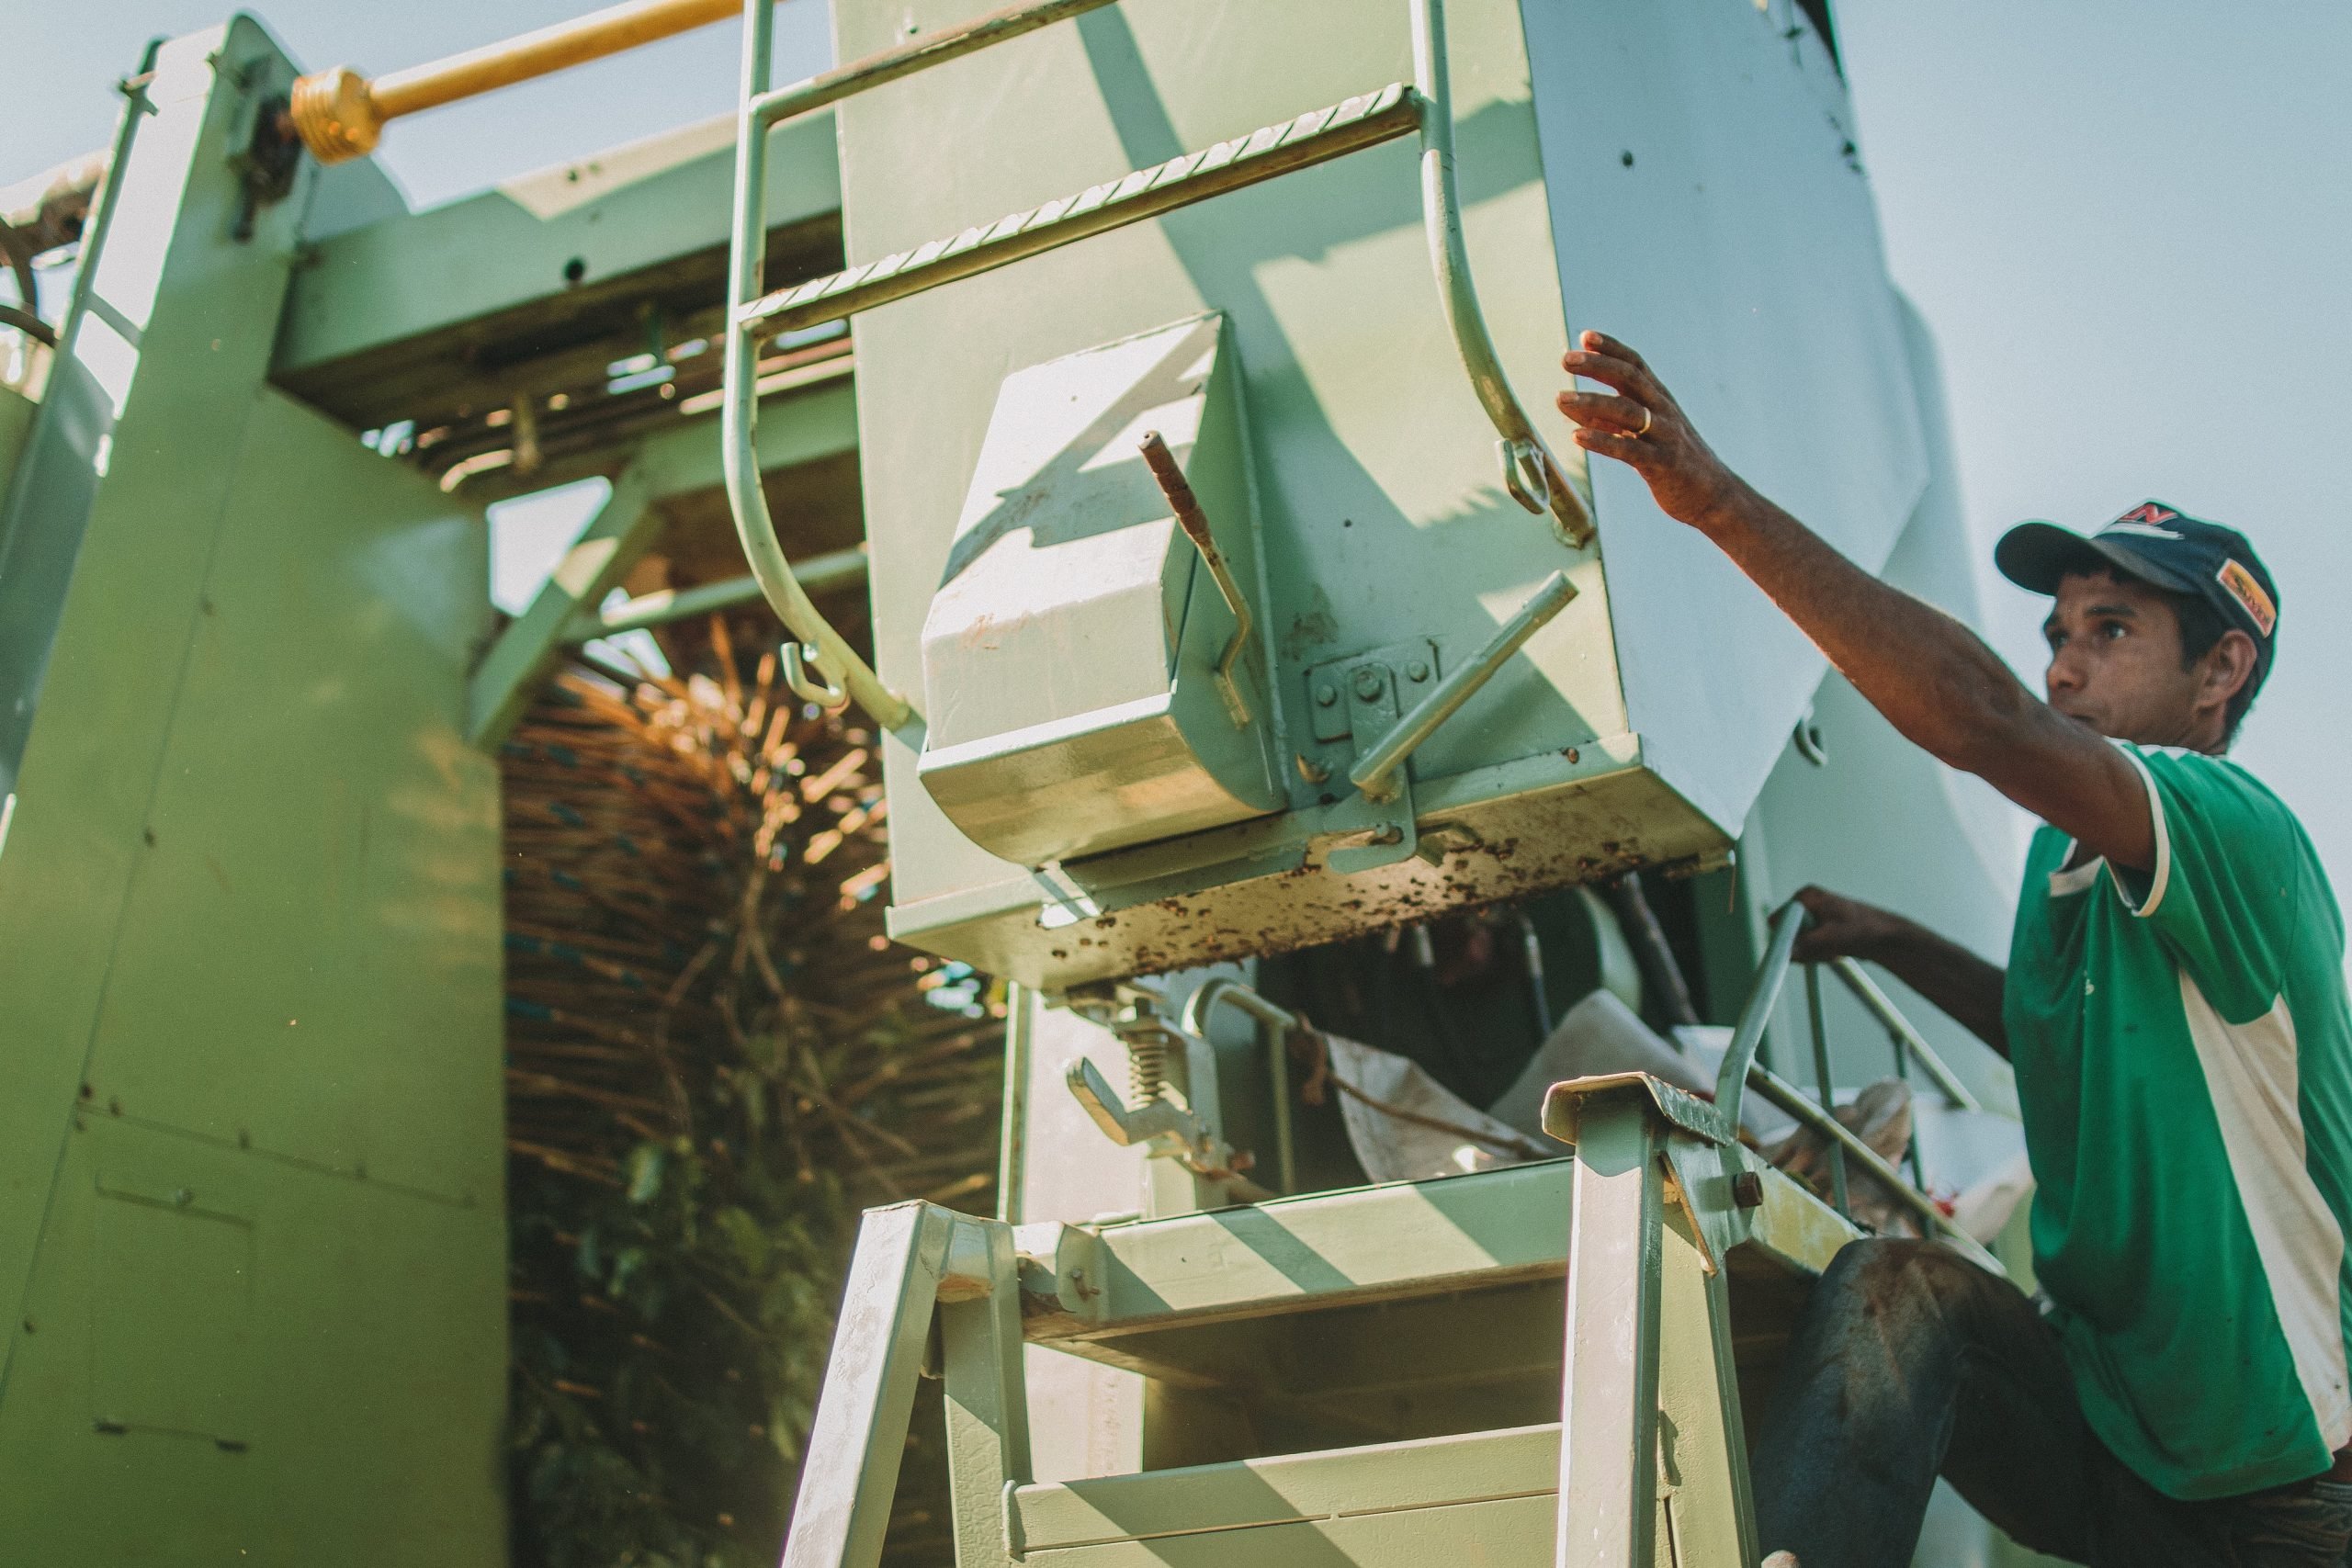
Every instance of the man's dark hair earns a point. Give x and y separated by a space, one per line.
2201 626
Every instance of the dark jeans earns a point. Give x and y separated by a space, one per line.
1911 1361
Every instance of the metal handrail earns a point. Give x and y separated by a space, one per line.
840 672
1908 1040
1531 473
1821 1077
1733 1079
1779 1091
1740 1072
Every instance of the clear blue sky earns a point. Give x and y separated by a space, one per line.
2126 220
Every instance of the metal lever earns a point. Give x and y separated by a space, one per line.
1157 1118
1375 772
1196 524
1530 471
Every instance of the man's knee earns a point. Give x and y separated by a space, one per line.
1894 1283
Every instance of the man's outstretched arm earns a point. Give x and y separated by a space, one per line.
1962 984
1933 679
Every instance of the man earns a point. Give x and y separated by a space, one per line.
2175 1008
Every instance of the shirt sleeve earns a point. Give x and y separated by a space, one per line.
2221 893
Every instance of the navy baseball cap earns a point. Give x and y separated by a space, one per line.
2160 545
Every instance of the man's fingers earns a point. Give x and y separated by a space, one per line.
1602 343
1630 376
1605 411
1623 375
1624 448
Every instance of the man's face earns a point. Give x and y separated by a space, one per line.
2115 662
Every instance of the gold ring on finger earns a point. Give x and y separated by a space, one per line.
1645 430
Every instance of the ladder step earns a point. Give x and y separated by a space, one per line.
1385 1243
1370 1485
1316 137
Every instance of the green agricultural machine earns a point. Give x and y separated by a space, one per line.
1139 410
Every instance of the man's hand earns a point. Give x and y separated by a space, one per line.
1932 678
1846 928
1946 974
1642 425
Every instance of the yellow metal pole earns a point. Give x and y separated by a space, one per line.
341 115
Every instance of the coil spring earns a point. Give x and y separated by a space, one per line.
1146 1066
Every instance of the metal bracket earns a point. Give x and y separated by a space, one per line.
1153 1121
1166 1119
1360 698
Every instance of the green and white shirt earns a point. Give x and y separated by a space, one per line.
2184 1063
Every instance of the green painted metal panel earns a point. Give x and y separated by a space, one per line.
300 1030
251 1169
343 1407
619 212
319 838
132 544
15 423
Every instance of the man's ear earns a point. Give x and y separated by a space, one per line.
2228 665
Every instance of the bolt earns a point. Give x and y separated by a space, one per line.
1748 1190
1416 671
1369 685
1326 694
1390 834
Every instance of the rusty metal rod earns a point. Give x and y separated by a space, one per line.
341 115
1178 491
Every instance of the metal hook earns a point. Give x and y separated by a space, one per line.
800 660
1523 475
1520 468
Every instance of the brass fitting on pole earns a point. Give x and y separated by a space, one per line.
340 115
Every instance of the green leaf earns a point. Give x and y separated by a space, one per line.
646 1164
746 1239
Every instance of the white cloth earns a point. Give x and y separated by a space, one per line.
1396 1149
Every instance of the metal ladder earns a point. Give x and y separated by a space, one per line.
818 663
1646 1465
